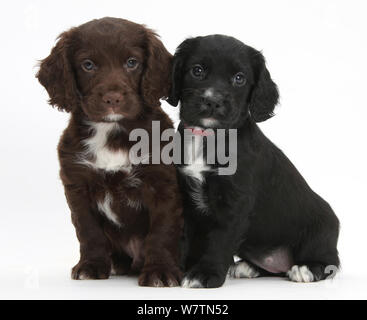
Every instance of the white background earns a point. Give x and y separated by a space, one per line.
316 52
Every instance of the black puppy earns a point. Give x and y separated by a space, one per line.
265 212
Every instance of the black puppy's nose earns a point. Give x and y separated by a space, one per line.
215 105
112 98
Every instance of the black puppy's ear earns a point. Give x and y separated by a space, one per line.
56 75
265 95
174 94
177 71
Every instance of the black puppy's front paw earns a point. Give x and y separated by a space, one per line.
203 277
91 269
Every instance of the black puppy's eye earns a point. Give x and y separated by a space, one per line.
132 63
239 79
88 65
197 71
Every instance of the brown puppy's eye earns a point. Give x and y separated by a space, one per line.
239 79
88 65
197 71
132 63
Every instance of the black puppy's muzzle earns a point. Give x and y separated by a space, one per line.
214 103
208 107
212 106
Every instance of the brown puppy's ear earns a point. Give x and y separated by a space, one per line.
156 78
56 75
265 94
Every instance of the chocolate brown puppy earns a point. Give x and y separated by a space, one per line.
110 74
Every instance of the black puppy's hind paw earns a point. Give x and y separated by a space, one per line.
242 269
300 274
312 272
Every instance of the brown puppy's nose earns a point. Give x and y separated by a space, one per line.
112 98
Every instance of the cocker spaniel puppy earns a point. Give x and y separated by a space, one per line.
110 74
265 213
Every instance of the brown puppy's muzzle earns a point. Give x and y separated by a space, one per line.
112 101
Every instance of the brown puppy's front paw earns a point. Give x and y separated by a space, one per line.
91 269
160 276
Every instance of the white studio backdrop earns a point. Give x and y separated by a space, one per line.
316 52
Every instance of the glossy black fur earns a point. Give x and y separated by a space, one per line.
266 204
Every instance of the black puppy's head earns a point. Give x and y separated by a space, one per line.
220 81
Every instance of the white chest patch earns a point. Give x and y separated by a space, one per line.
105 207
101 156
209 93
196 166
194 158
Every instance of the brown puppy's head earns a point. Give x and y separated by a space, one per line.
107 69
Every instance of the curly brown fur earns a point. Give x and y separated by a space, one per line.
110 74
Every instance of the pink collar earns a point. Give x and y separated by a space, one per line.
198 131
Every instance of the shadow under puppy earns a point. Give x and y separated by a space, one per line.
265 212
110 74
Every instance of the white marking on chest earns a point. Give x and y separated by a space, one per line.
103 157
135 204
105 207
198 195
196 166
134 248
194 158
132 181
208 93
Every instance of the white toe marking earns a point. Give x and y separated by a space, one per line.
113 271
83 276
191 283
158 283
300 274
242 270
171 283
